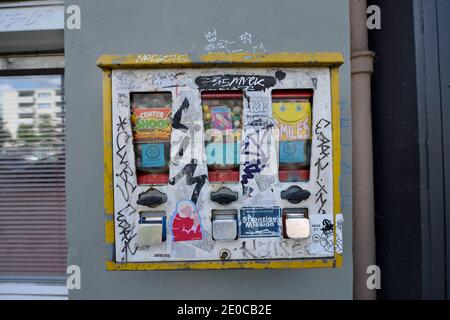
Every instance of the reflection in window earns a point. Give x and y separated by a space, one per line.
44 95
26 93
44 105
32 175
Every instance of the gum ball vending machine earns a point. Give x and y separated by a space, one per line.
222 165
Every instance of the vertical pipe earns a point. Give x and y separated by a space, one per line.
363 199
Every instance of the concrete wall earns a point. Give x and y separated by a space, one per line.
116 27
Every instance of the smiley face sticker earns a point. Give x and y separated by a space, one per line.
293 120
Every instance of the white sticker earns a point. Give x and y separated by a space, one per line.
339 232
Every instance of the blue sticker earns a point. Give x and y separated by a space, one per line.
259 222
153 155
292 151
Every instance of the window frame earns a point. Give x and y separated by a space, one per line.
33 65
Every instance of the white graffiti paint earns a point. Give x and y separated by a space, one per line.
244 42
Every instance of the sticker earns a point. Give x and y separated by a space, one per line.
151 124
259 222
153 155
206 244
221 118
185 224
322 234
339 230
292 151
183 251
293 120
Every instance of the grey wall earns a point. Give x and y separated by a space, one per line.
118 27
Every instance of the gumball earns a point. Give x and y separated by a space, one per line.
207 116
237 124
237 111
206 108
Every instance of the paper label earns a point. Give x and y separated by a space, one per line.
293 120
259 222
151 124
153 155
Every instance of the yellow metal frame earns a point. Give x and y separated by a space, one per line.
331 60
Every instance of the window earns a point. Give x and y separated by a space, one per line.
44 106
32 179
26 115
292 111
26 93
26 105
44 95
150 116
222 117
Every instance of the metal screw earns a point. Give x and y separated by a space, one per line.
224 254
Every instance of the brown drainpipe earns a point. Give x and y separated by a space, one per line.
363 199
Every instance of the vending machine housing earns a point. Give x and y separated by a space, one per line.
222 161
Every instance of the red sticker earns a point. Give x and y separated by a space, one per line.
185 222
